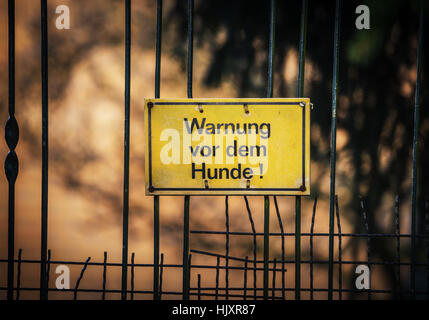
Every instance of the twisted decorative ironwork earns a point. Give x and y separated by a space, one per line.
11 163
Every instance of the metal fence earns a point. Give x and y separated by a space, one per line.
251 268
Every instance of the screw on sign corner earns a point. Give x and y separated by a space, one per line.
246 109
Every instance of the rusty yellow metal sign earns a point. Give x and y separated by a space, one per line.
227 146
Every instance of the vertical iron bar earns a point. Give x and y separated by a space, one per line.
415 158
132 275
11 162
48 267
190 45
273 289
340 271
217 278
279 218
427 244
269 95
252 224
185 274
103 294
199 286
333 147
187 198
18 276
271 50
156 198
300 93
45 150
156 248
11 240
126 150
226 249
245 279
266 243
158 48
161 271
313 217
189 272
302 48
398 249
297 248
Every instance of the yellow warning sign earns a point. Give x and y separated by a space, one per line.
227 146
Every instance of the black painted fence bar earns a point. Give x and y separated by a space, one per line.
333 145
11 163
125 212
415 152
300 93
156 280
45 151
